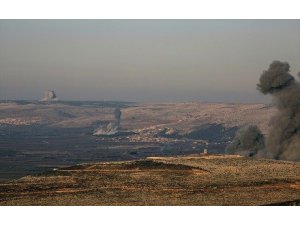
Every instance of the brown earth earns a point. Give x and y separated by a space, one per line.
185 180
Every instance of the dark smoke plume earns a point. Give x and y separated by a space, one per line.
248 141
118 114
275 78
284 137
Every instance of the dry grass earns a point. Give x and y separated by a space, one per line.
188 180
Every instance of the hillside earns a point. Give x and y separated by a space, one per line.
39 136
184 116
186 180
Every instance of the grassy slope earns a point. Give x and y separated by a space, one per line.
189 180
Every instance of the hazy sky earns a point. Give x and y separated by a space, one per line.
143 60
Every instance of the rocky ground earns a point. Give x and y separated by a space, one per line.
187 180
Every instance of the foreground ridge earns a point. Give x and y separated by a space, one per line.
184 180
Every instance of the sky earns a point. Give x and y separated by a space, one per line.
143 60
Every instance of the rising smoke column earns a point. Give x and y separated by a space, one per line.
284 137
113 127
118 114
248 141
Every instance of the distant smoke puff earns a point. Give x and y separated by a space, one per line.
247 141
284 137
110 129
49 96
